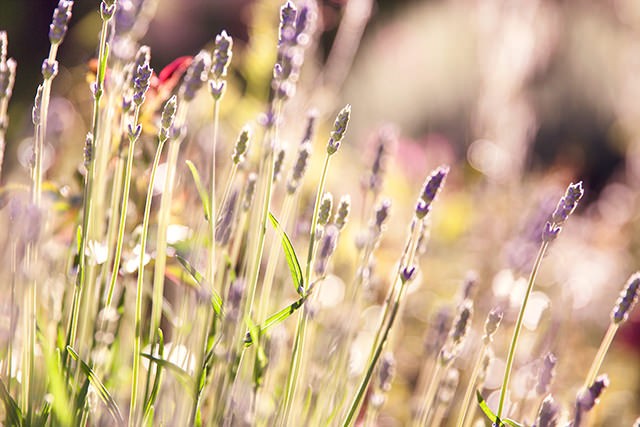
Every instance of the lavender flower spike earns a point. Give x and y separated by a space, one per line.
221 55
61 16
566 206
548 415
588 398
287 30
339 128
432 187
627 300
195 76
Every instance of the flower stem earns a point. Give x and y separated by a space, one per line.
386 321
466 401
518 327
303 317
600 355
143 245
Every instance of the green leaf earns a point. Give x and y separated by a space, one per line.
148 406
104 394
274 319
485 408
183 377
103 64
492 417
13 414
260 362
204 198
292 258
57 384
216 300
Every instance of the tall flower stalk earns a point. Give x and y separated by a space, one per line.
57 31
564 209
335 140
620 313
166 124
405 272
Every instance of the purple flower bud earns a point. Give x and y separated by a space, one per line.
88 150
550 232
327 247
195 76
462 323
35 113
216 88
241 146
61 16
107 10
168 116
382 213
588 398
548 415
49 69
221 55
492 323
287 31
567 204
141 81
304 24
134 132
434 183
339 128
546 374
627 300
299 168
422 209
408 273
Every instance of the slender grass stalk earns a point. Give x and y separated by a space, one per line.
193 81
464 417
167 122
339 128
518 328
620 313
490 327
303 317
211 266
564 209
398 286
107 10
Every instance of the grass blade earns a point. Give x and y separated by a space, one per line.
183 377
13 414
104 394
201 190
273 320
216 300
290 254
148 406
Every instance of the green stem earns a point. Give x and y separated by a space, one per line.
124 205
518 327
137 344
163 219
600 355
212 194
87 192
303 318
466 401
386 321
